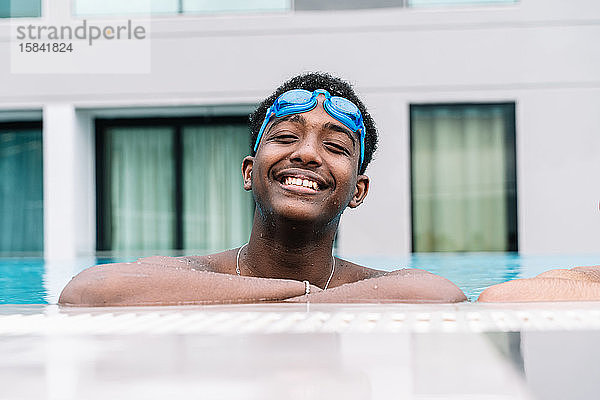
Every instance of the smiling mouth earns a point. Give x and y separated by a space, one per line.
300 184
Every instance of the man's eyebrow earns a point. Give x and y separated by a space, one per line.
328 125
291 118
341 129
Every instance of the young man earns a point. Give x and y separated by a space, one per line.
312 141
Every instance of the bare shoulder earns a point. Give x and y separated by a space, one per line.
353 272
124 283
218 262
350 272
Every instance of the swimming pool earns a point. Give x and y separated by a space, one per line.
299 351
33 281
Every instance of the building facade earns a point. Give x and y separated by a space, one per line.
488 115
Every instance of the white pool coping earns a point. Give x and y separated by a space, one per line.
299 351
299 318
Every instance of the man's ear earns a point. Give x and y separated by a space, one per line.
247 164
360 191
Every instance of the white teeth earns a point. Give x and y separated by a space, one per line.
300 182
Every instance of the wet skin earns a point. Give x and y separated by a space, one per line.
576 284
314 146
303 176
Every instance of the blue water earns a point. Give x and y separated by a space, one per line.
32 281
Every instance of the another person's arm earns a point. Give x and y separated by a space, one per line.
403 286
577 284
170 281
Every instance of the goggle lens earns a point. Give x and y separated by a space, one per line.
293 97
345 106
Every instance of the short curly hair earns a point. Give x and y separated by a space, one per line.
312 81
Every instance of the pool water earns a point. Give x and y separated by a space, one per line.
33 281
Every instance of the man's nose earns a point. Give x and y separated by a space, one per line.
307 152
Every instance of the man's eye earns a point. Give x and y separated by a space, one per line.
285 138
337 148
282 137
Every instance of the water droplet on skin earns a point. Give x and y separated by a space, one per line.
375 287
139 262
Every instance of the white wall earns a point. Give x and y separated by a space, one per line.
559 171
69 193
542 54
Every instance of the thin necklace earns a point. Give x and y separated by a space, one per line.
237 268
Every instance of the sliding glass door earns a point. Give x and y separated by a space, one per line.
172 184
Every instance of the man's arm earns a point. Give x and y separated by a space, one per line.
403 286
577 284
149 283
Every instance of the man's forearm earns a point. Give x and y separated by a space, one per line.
404 286
575 284
542 289
149 284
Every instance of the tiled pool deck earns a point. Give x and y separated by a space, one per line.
299 351
299 318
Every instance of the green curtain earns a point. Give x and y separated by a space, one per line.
217 211
21 191
459 179
142 184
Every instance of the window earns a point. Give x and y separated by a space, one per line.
310 5
20 8
120 7
463 177
231 6
116 7
172 184
436 3
21 188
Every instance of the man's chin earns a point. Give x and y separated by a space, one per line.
300 213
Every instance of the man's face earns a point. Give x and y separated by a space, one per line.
306 167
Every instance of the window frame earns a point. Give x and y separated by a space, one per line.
510 158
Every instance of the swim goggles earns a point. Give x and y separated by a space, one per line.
298 101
